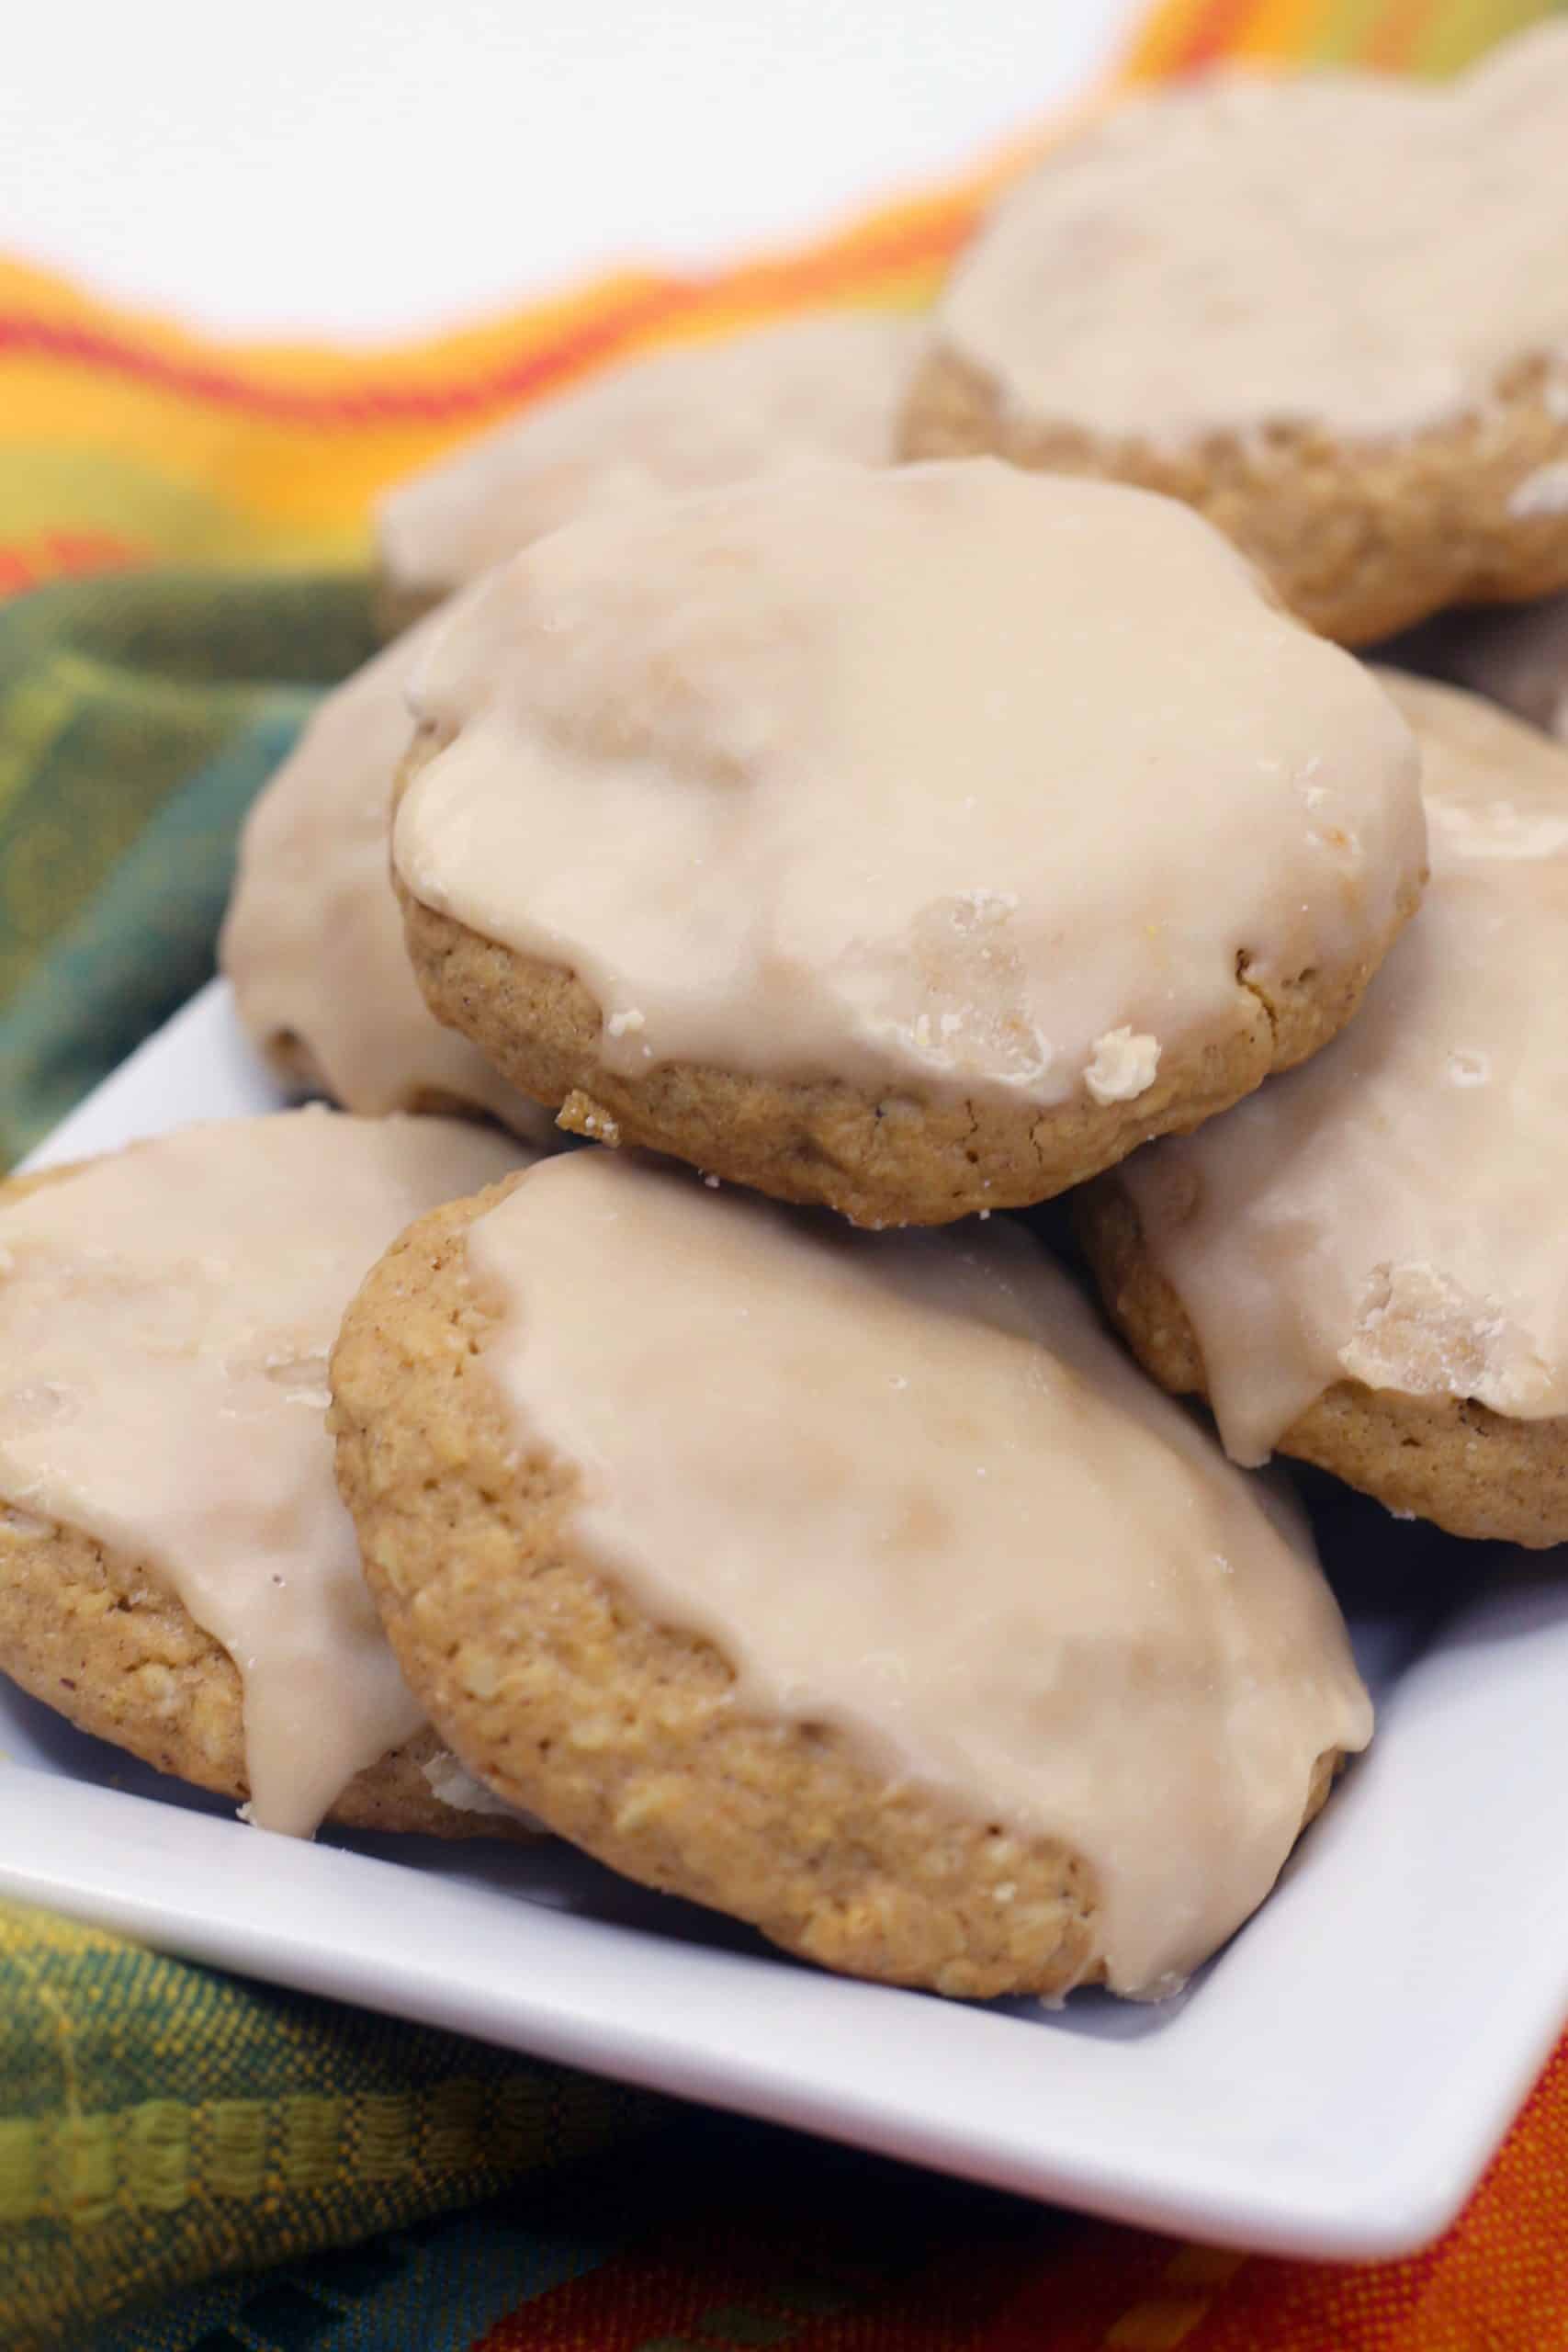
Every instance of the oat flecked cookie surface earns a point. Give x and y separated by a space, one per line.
177 1573
313 943
1232 290
853 835
681 418
1363 1265
853 1585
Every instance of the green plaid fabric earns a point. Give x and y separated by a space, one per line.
139 715
160 2123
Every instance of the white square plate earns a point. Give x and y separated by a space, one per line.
1333 2084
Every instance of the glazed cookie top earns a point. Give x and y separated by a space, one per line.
1392 1212
165 1316
1246 249
952 774
908 1487
682 419
313 943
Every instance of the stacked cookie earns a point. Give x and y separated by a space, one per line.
839 847
176 1571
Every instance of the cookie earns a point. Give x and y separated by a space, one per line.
1363 1265
911 842
313 943
1232 290
852 1585
176 1572
684 418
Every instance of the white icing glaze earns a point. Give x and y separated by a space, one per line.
1392 1212
166 1318
907 1487
1342 249
908 775
314 942
452 1785
685 418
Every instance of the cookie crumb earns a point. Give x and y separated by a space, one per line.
620 1024
451 1784
1123 1066
1543 492
581 1115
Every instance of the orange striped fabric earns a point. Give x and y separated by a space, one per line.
823 2255
124 438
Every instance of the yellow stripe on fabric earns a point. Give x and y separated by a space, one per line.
36 712
1343 32
1159 41
161 444
1157 2326
1190 2285
387 2133
21 2171
1278 29
164 2154
257 452
312 2153
1460 31
1427 36
157 2155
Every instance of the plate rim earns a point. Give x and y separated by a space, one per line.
1259 2189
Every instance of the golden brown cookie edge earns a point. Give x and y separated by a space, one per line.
1359 537
625 1736
1470 1471
881 1159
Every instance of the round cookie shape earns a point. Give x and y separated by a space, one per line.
312 942
912 842
176 1572
1232 290
683 418
1363 1264
853 1585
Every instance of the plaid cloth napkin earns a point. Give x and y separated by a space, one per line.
332 2180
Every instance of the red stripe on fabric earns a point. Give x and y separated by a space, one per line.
93 350
768 287
60 555
631 2301
1215 32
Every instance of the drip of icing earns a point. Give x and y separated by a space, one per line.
175 1303
313 941
906 1487
1390 1212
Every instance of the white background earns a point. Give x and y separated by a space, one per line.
366 168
